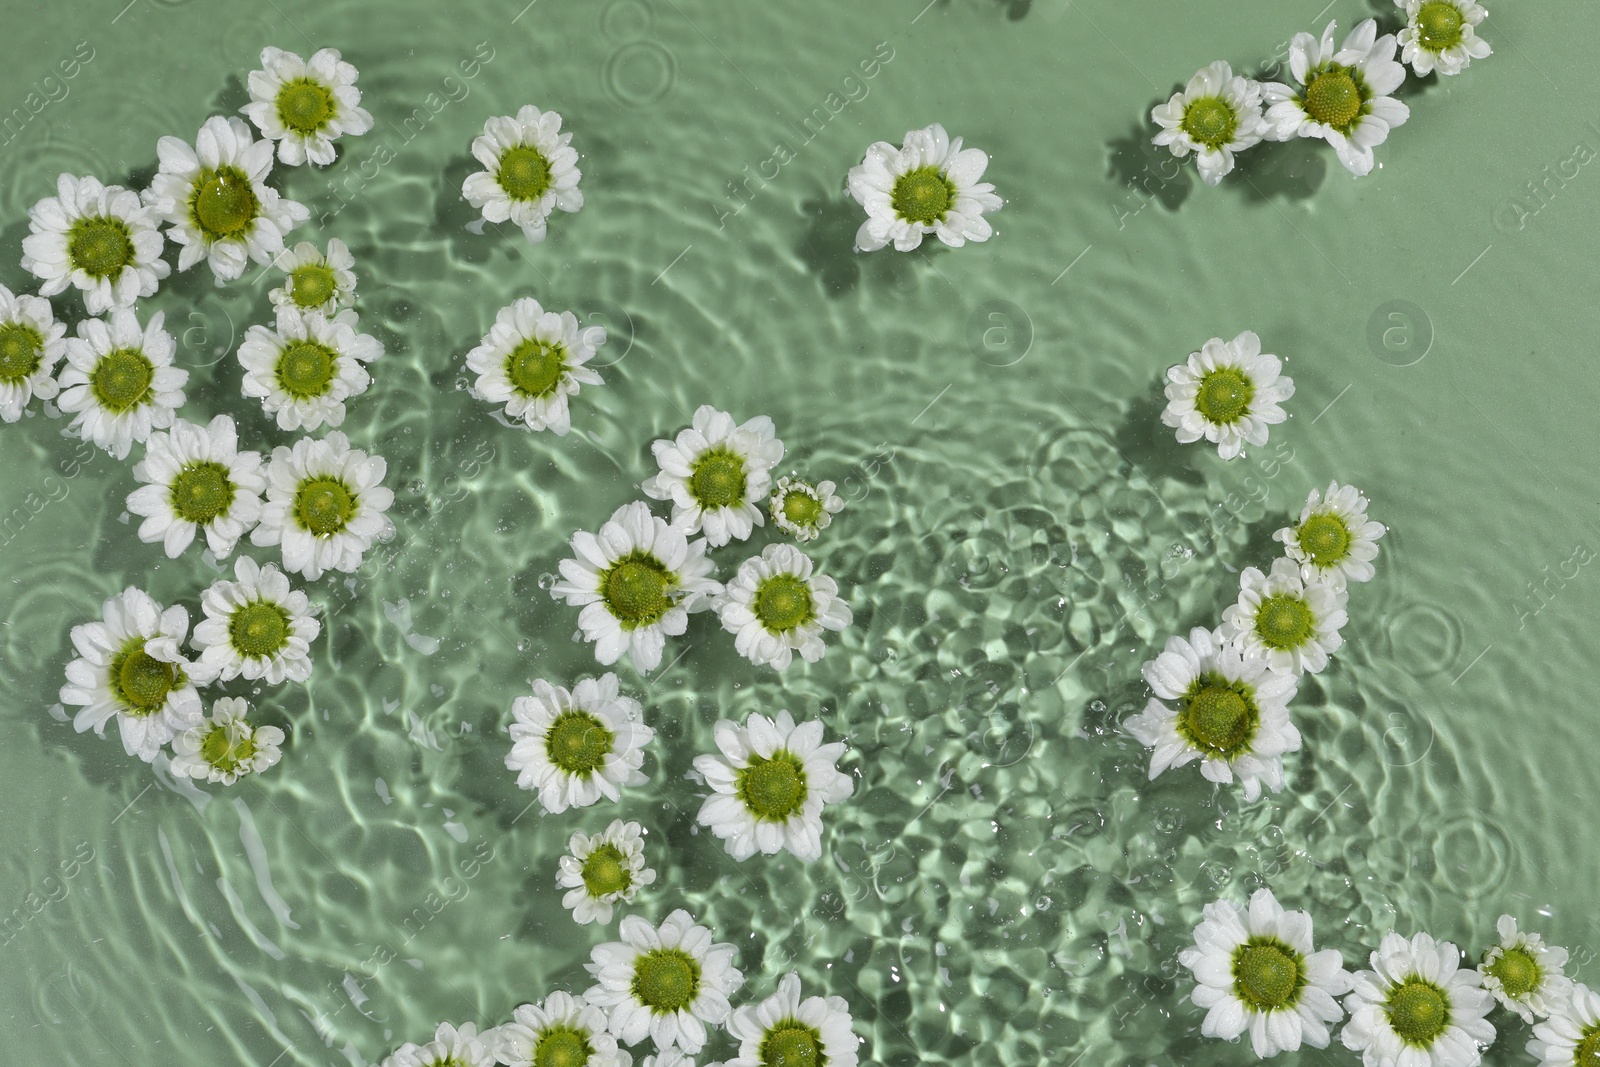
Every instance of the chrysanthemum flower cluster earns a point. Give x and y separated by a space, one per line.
1343 95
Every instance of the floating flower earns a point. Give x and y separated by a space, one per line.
562 1031
1334 542
530 170
1231 713
1217 115
785 1029
256 627
575 747
716 473
130 668
636 581
1256 970
1441 35
775 607
1343 96
451 1047
1294 625
1228 393
100 238
532 360
305 106
316 282
223 747
803 510
770 785
217 201
1524 974
1571 1036
672 1057
604 870
304 370
929 185
119 380
32 342
325 505
196 479
669 982
1417 1006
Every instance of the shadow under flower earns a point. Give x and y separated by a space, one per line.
1149 444
1147 170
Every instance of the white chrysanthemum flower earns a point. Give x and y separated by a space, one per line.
1334 541
1256 970
325 505
1216 115
667 982
32 342
1293 624
928 185
307 367
257 626
716 473
451 1047
316 282
223 747
532 360
119 381
1524 974
1228 393
530 170
672 1057
1417 1007
100 238
1571 1036
1230 713
1342 96
574 747
561 1031
305 105
602 871
130 668
803 510
785 1029
774 606
770 785
196 479
217 201
1441 35
636 581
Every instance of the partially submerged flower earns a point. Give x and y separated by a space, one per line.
305 105
803 510
305 367
776 606
325 505
603 870
530 169
668 982
224 747
1292 624
1334 540
451 1046
316 282
716 473
1417 1006
197 481
928 185
1524 974
533 361
1571 1036
1227 393
256 626
119 382
574 747
1441 35
1343 96
101 238
560 1031
1217 115
32 342
788 1029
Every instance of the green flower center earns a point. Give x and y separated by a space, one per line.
121 380
1218 717
792 1043
1325 538
1267 974
524 172
305 106
305 369
783 603
1519 973
1587 1054
324 506
1418 1011
606 871
1334 98
718 479
1439 26
1210 122
535 367
562 1046
1284 622
201 492
1224 395
21 351
636 590
224 204
773 789
666 980
141 682
922 195
100 246
578 743
802 509
222 752
259 629
312 285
